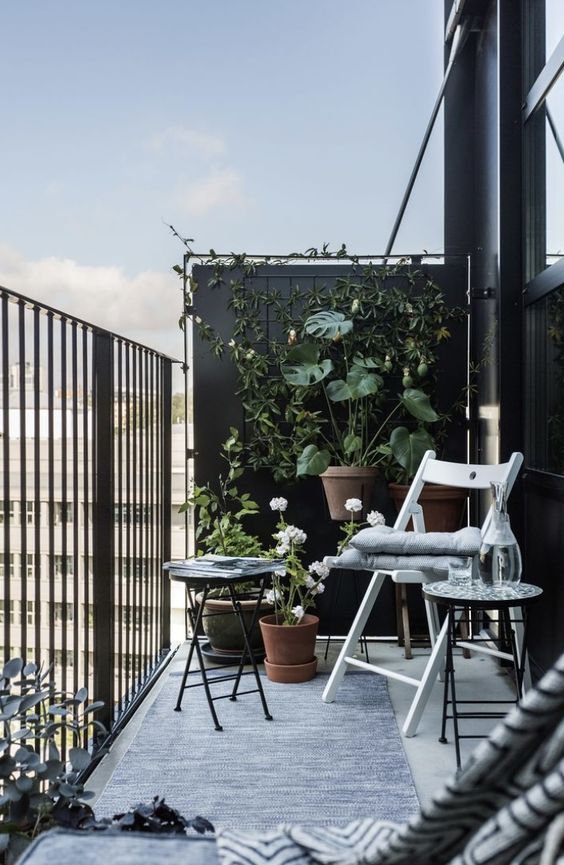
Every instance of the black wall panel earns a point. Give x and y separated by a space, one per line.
216 407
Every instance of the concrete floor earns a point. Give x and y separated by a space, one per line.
431 762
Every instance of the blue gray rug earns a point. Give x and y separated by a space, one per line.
315 763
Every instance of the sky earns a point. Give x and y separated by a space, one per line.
250 125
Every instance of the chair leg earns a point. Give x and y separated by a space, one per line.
353 636
435 665
401 598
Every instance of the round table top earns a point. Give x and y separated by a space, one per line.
477 593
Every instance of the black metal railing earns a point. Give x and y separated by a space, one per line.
85 423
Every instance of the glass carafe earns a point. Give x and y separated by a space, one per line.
500 556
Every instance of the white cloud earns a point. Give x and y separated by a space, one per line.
182 137
103 295
223 187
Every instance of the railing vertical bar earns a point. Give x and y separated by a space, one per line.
103 539
128 521
6 468
37 510
154 567
158 500
119 521
51 485
64 539
133 517
147 574
141 516
75 514
23 481
166 422
86 468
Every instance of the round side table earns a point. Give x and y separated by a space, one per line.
472 598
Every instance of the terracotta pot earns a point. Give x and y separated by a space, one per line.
348 482
443 506
290 649
224 631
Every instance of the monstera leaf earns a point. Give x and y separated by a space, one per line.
408 447
417 404
358 383
328 325
312 461
303 366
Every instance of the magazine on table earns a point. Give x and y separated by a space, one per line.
241 566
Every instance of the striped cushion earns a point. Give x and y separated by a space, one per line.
504 807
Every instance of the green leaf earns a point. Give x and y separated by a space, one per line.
352 443
312 461
13 668
303 366
81 695
79 758
408 448
93 707
359 383
328 325
417 403
366 362
339 391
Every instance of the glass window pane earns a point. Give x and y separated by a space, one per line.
545 383
554 24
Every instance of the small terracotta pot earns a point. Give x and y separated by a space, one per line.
348 482
290 649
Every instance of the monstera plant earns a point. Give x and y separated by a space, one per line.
359 408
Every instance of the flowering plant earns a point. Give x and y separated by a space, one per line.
373 518
294 588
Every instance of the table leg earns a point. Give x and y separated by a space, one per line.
247 651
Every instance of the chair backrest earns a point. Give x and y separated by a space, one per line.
468 476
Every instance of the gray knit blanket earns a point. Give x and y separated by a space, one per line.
504 807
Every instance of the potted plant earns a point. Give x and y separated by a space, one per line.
290 633
39 788
221 511
357 408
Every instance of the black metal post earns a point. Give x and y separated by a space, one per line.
103 534
166 504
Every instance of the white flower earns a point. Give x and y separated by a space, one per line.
353 505
375 518
291 534
298 612
278 504
310 582
320 588
281 572
319 568
272 596
232 343
282 549
250 354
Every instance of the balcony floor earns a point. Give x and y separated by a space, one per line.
430 762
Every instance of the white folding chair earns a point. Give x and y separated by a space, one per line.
431 470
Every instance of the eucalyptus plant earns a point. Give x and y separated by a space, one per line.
356 394
39 788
